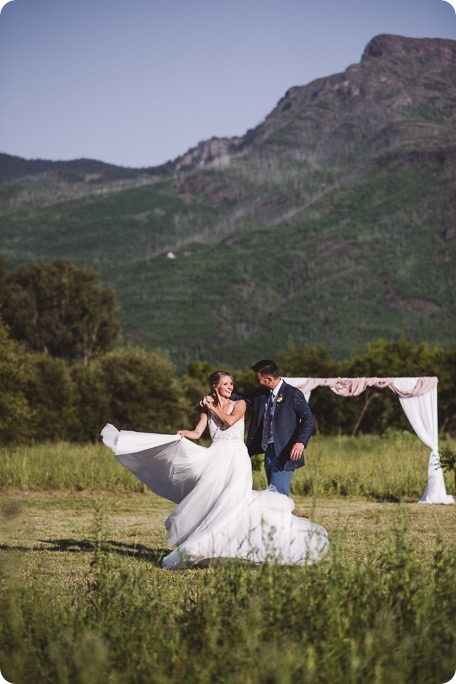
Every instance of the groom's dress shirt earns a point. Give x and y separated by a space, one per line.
268 418
266 436
276 390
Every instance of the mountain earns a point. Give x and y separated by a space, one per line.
332 222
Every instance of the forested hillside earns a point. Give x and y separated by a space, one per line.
332 222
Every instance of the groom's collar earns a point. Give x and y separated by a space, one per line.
277 389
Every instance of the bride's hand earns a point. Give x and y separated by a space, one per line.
182 433
208 400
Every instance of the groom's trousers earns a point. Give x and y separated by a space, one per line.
280 479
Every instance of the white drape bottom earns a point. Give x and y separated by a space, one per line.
421 412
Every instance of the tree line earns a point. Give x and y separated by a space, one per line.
63 374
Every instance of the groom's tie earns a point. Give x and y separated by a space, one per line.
267 423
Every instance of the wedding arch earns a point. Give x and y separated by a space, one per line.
418 398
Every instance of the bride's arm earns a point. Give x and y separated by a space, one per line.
229 418
197 431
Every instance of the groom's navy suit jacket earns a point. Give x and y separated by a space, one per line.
293 422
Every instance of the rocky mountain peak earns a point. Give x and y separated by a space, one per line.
328 119
434 53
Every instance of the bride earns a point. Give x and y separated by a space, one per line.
218 514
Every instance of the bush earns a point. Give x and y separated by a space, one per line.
14 409
50 393
140 391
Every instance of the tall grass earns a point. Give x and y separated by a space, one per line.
386 468
391 468
95 606
380 617
60 465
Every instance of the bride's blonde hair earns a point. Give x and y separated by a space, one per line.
214 380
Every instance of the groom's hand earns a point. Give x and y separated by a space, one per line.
296 451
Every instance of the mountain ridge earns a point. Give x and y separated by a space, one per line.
343 194
216 149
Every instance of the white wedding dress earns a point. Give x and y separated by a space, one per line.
218 515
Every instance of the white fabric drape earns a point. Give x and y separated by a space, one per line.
351 387
418 397
300 383
422 414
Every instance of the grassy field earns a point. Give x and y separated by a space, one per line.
85 599
392 468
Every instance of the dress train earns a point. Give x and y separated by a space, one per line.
218 514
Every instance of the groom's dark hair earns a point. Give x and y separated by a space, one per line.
266 367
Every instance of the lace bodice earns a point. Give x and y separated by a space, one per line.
219 430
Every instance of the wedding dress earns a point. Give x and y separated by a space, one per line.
218 515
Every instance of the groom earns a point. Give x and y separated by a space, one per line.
280 426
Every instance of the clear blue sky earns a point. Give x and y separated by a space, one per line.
137 83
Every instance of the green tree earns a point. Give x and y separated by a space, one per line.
2 275
60 309
311 360
394 358
139 391
14 409
50 395
445 369
377 410
91 401
194 383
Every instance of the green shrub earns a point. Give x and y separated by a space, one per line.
50 394
14 409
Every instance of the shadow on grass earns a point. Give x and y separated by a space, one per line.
155 556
